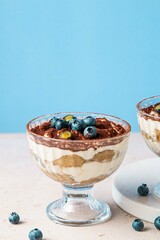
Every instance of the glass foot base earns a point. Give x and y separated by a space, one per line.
78 208
157 191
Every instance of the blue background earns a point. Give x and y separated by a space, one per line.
77 55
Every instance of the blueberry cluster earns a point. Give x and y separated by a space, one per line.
138 224
34 234
86 125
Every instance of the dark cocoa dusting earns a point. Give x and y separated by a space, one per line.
154 115
106 131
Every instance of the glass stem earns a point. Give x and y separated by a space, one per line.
81 194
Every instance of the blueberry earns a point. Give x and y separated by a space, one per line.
157 222
59 124
77 124
14 218
71 121
138 225
89 121
65 124
35 234
84 125
143 190
90 132
53 120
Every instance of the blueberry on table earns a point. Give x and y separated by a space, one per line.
138 225
89 121
77 124
35 234
14 218
90 132
157 222
143 190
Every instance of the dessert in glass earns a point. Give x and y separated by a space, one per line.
149 124
78 150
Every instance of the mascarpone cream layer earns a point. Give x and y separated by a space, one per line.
148 125
53 153
89 169
155 146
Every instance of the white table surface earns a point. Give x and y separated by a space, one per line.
26 190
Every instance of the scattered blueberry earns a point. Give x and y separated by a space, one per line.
138 225
157 222
53 120
14 218
35 234
89 121
59 124
90 132
157 108
143 190
77 124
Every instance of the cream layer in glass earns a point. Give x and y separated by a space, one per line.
151 131
82 167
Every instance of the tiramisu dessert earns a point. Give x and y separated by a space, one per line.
149 122
78 149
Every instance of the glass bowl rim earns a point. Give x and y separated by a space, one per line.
143 113
128 129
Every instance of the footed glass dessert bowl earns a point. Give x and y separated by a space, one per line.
149 124
78 150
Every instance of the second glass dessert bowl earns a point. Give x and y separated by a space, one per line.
149 124
78 163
